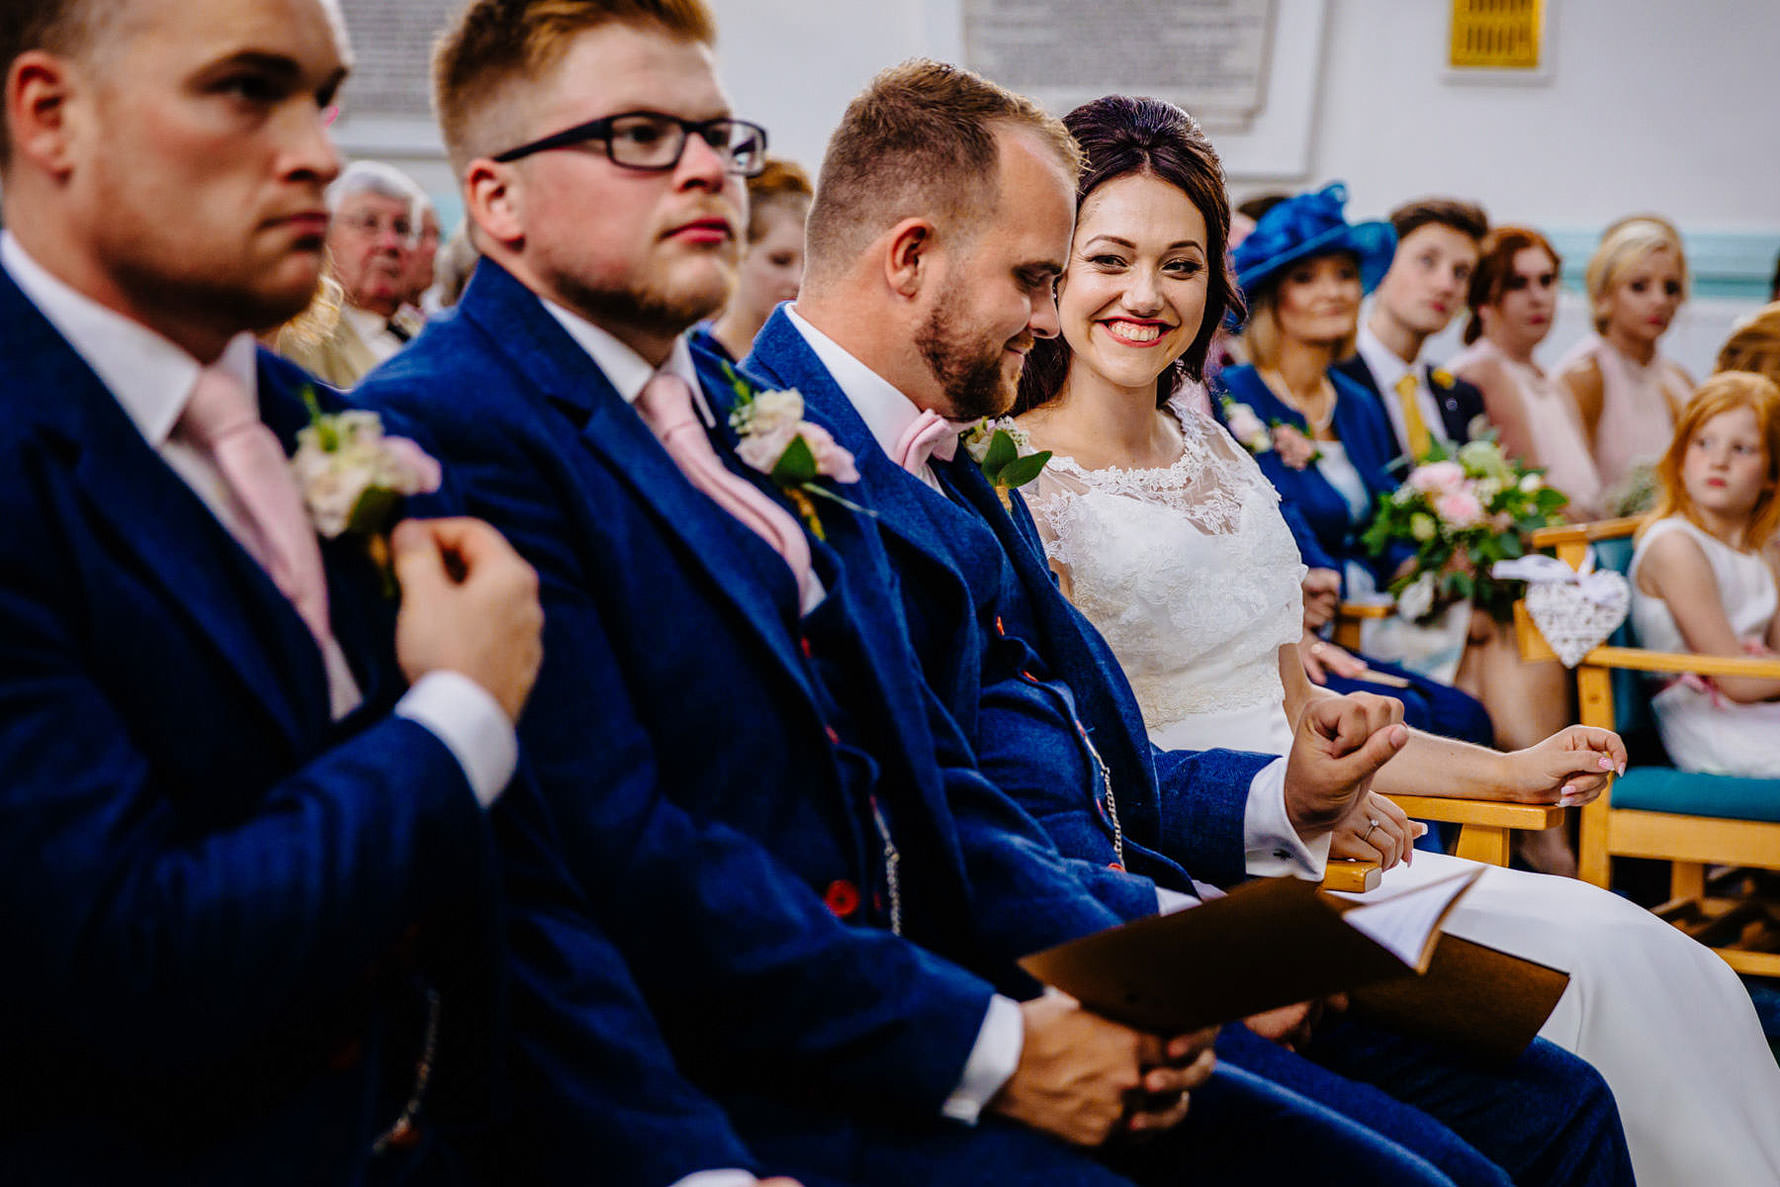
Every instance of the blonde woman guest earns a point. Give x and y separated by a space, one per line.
1513 299
772 266
1626 392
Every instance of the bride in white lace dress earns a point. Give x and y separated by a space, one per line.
1167 535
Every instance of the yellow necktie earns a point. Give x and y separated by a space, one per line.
1413 424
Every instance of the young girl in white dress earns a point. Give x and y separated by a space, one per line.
1168 536
1703 580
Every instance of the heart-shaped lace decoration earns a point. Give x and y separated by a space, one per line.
1574 621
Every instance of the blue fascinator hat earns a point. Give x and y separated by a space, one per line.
1312 225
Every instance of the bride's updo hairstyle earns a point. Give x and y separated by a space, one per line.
1121 135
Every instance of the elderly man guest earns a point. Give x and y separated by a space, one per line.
371 244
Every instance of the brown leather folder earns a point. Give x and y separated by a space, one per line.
1275 941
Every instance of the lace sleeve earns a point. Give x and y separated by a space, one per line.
1050 499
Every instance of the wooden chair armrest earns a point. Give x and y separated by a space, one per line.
1582 533
1351 875
1488 813
1363 610
1639 659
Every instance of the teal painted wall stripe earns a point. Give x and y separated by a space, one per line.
1730 264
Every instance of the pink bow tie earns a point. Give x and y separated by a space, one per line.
929 435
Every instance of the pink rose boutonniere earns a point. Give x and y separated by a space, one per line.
776 440
1295 449
353 478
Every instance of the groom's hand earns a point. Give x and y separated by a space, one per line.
469 605
1339 745
1079 1072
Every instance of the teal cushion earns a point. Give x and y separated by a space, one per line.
1685 793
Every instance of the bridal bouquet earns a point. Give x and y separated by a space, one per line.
1462 512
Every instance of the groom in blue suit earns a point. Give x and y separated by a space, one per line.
1038 692
266 863
819 893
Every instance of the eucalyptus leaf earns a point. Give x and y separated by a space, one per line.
1002 451
1020 471
796 466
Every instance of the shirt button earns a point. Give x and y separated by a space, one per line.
842 898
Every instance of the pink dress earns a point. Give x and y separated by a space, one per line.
1561 446
1636 423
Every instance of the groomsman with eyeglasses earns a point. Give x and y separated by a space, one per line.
271 880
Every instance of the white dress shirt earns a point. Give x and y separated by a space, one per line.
151 379
373 330
1387 371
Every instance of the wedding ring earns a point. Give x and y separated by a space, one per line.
1370 825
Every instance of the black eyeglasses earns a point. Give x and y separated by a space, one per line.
653 142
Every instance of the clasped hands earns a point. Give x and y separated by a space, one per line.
1086 1079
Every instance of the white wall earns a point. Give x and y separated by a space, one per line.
1649 106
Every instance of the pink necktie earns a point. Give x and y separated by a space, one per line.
928 435
220 420
666 407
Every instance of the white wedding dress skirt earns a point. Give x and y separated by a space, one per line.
1192 575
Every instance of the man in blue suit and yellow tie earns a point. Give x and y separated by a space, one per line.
260 836
819 893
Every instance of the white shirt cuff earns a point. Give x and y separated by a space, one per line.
1271 844
1170 901
723 1178
471 723
992 1061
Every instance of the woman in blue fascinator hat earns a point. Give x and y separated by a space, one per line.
1323 440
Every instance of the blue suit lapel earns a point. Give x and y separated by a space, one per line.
613 432
146 511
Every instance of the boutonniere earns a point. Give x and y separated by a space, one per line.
1295 448
776 440
353 478
1004 453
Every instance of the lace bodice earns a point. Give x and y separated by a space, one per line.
1189 570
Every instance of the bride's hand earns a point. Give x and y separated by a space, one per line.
1322 596
1339 744
1377 830
1323 659
1569 769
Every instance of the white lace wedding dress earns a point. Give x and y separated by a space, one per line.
1192 575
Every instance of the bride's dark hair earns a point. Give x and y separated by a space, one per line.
1122 135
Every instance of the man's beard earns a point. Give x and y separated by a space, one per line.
969 374
639 306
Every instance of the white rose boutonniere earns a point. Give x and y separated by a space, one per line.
776 440
1004 453
1245 426
353 478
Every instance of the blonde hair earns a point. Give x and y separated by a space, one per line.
1260 337
1622 245
496 44
781 185
919 140
1754 344
1725 392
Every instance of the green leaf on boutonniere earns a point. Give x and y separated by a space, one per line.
1003 449
796 466
1022 470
